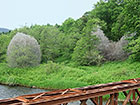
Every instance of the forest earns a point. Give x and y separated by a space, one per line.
101 46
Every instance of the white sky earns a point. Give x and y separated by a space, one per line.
18 13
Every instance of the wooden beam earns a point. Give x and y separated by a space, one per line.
111 99
100 100
134 98
116 99
138 93
94 101
108 101
83 102
127 97
138 97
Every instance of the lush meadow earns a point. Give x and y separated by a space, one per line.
60 76
102 46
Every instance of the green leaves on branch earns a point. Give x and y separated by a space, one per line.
85 52
134 48
108 12
4 41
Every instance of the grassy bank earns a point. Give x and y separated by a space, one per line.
59 76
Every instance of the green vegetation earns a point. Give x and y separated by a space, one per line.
59 76
134 47
60 43
78 53
85 52
108 12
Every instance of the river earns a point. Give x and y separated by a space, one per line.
14 91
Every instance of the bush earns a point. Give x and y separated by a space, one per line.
23 51
52 67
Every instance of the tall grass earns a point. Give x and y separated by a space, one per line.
63 76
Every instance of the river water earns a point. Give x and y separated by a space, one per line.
14 91
10 92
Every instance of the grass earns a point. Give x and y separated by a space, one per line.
59 76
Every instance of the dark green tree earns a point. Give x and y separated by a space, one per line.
86 52
129 20
4 41
108 11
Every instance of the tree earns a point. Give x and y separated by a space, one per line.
70 37
134 48
48 37
50 42
108 12
4 41
23 51
86 52
67 44
129 20
68 25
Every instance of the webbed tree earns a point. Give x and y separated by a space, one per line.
23 51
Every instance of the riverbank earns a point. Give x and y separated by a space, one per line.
60 76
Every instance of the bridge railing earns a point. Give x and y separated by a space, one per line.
94 93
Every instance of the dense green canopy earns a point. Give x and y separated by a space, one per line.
62 42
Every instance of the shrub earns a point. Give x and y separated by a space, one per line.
52 67
23 51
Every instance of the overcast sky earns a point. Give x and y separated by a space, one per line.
18 13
